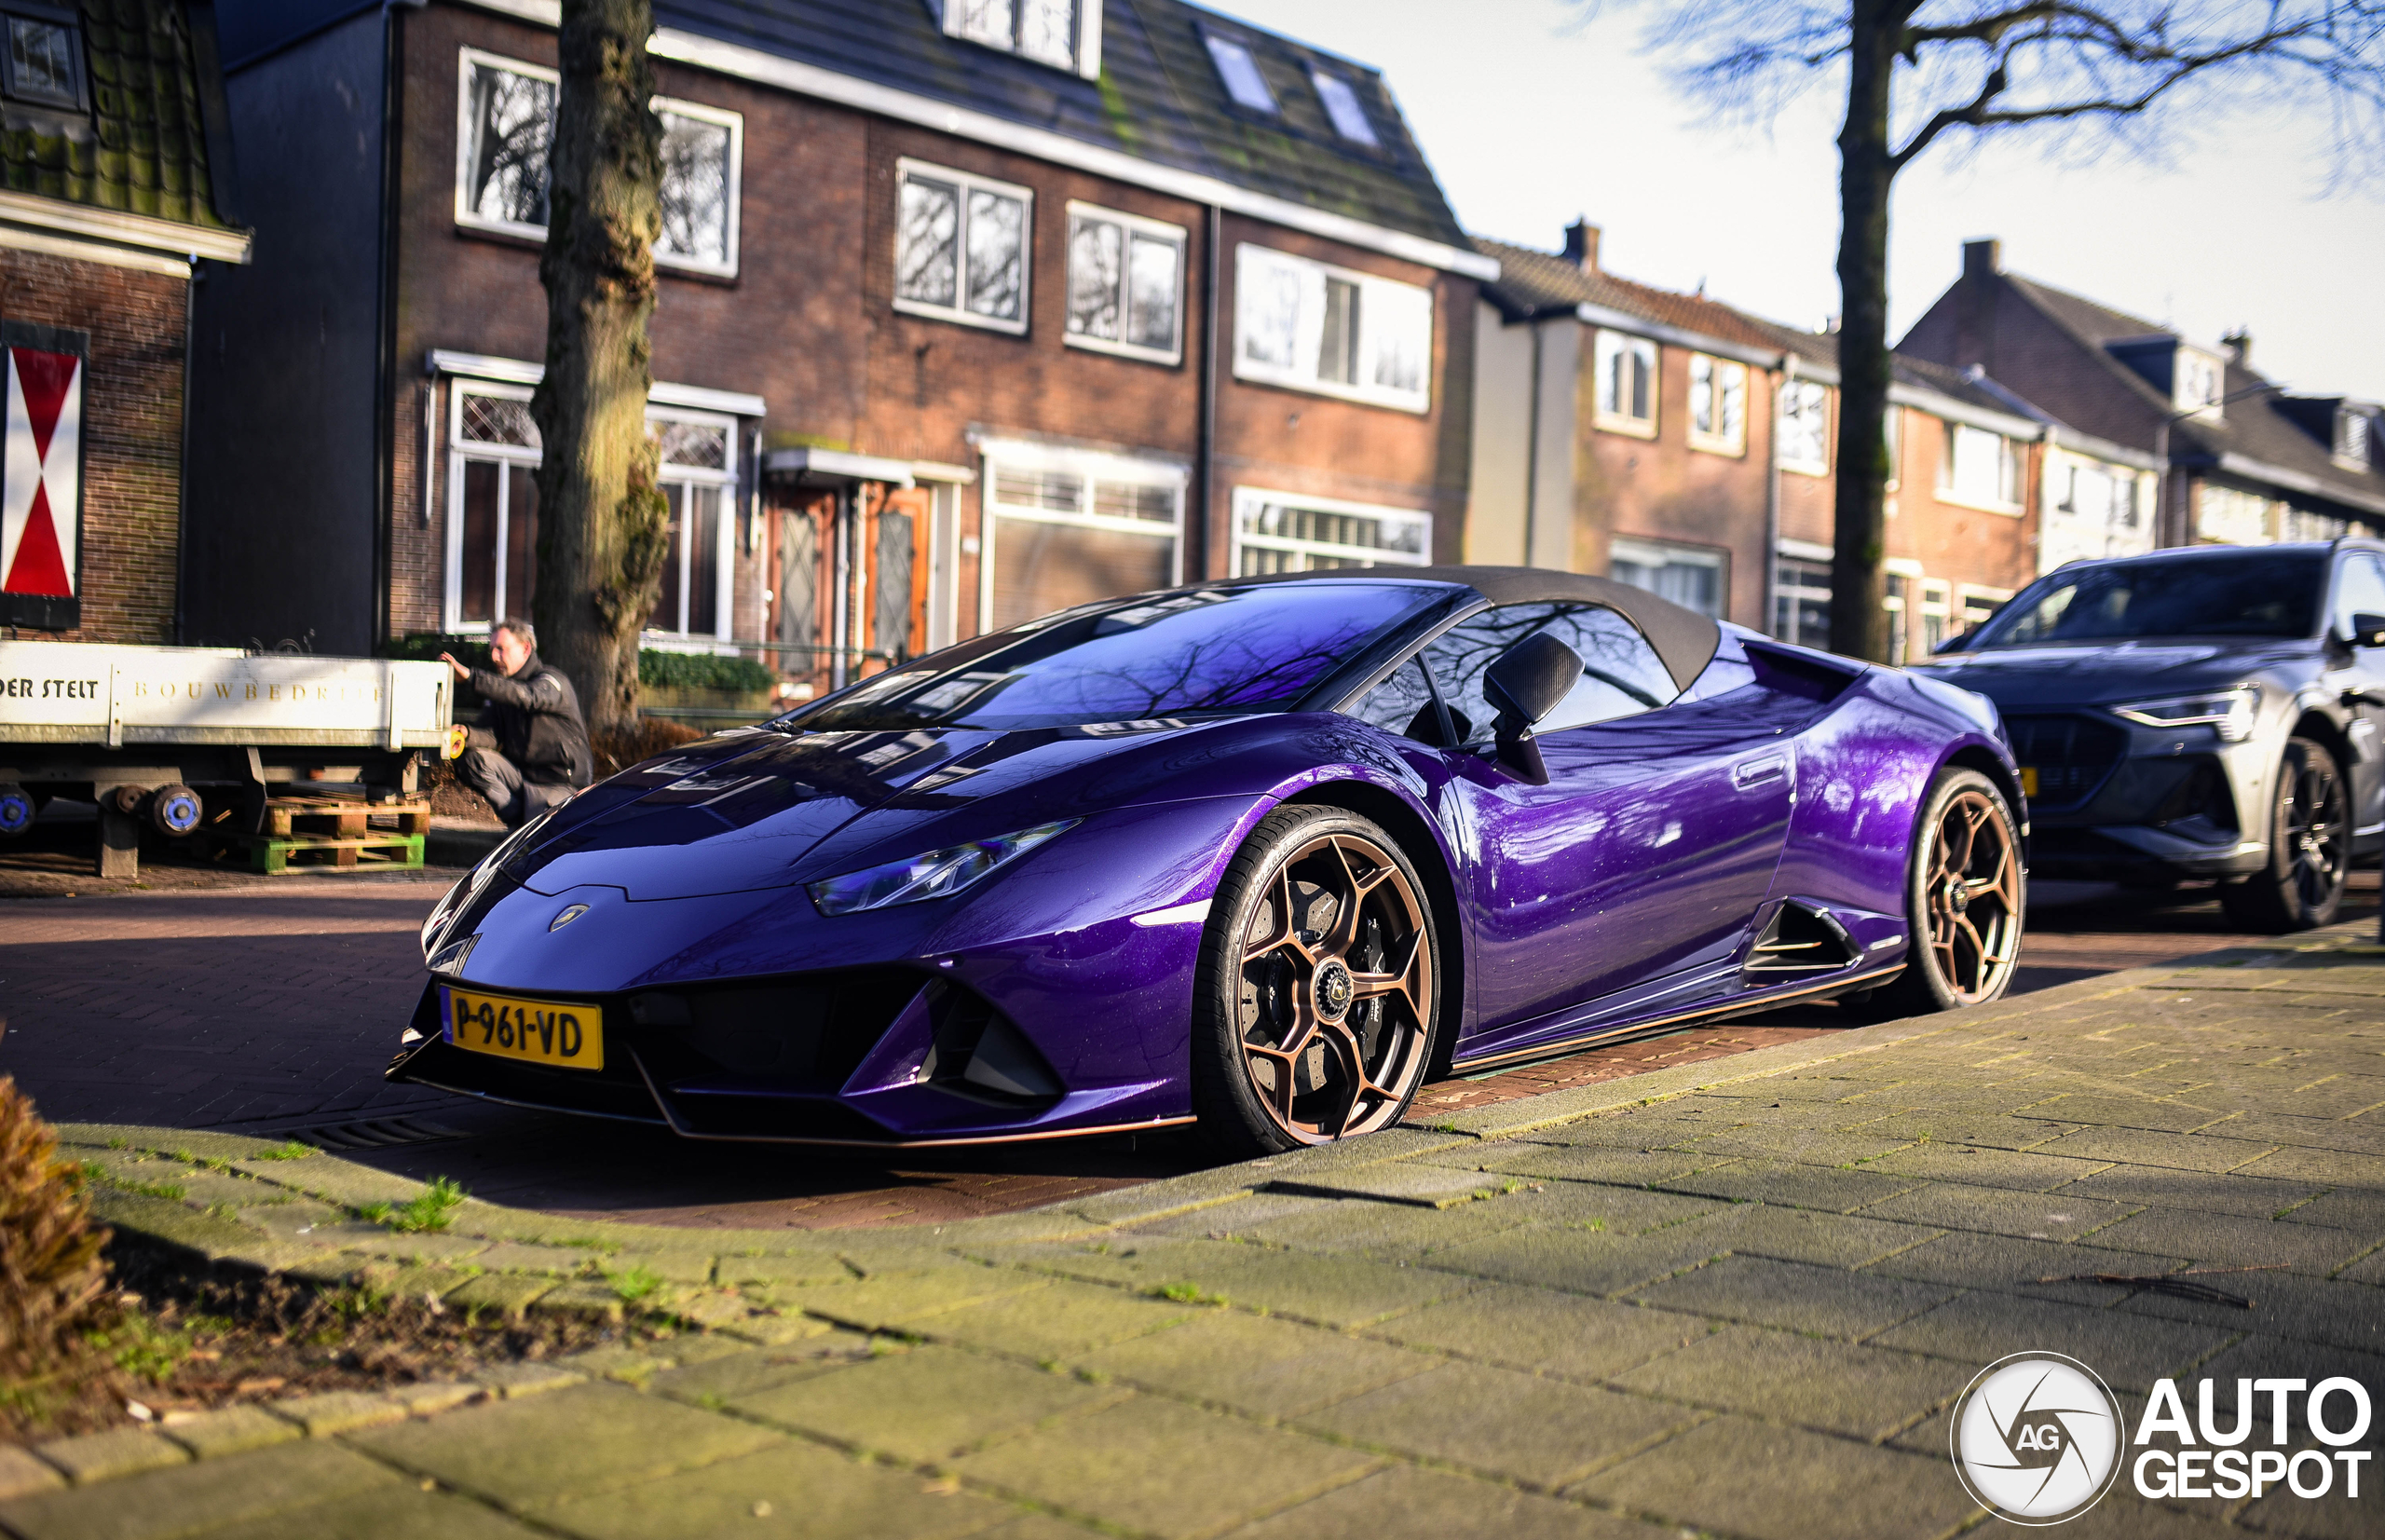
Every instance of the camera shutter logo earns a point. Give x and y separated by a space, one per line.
2036 1439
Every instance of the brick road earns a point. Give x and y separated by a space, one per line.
271 1004
1738 1297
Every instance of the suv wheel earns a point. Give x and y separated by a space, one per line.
2309 848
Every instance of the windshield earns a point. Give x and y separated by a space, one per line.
1208 653
2253 594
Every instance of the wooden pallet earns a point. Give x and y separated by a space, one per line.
277 855
343 818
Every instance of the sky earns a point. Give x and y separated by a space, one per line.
1531 120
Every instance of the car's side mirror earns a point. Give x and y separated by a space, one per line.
2368 630
1523 685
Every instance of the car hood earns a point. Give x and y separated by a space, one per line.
2034 677
747 810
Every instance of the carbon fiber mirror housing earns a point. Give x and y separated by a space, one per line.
1524 684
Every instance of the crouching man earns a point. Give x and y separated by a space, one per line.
530 750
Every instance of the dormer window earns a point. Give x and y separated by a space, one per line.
1063 33
2197 381
44 62
1240 73
1341 106
2354 427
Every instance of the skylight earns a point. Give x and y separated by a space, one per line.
1341 105
1240 73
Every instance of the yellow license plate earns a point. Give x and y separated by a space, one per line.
564 1033
2029 780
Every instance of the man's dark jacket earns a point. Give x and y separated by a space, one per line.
534 716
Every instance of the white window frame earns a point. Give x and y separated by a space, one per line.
959 312
1086 49
723 536
1822 395
1718 371
1248 500
2010 472
2355 435
2188 364
1794 578
1092 467
459 449
470 219
1937 603
1249 256
1606 345
1663 553
1133 225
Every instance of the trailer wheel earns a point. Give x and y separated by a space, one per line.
175 810
16 809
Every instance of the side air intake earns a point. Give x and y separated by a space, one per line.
1800 940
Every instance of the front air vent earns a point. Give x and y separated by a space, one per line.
979 1055
1800 940
807 1033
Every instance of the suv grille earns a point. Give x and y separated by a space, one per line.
2071 755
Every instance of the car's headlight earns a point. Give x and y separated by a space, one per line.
938 874
2231 711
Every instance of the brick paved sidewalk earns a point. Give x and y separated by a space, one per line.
1736 1297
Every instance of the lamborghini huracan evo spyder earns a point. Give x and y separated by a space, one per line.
1259 854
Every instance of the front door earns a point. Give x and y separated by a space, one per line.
1651 846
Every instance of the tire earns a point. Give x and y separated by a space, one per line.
1966 898
2310 837
1307 1033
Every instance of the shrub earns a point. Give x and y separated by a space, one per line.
51 1276
651 735
702 670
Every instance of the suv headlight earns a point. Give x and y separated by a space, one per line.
2231 711
938 874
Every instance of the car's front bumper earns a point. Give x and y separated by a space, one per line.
749 1015
2119 801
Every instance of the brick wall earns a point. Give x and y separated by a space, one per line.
132 425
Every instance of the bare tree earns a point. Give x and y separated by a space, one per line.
1917 71
602 521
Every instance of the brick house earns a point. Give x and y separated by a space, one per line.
2226 455
1679 443
967 312
114 165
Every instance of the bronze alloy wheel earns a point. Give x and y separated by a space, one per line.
1332 1007
1971 881
1965 893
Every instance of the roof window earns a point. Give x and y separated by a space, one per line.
1240 73
1341 105
2352 429
44 62
1064 34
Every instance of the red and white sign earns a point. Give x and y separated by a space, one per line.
41 471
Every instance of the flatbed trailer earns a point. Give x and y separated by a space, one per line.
195 739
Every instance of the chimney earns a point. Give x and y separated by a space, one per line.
2239 344
1582 245
1983 258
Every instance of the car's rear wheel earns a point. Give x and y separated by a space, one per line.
2309 846
1965 895
1319 988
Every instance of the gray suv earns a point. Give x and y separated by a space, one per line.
2202 713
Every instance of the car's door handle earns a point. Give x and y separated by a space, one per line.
1755 772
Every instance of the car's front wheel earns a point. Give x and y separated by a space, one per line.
1319 987
2309 830
1965 896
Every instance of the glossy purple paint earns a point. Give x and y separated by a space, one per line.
1621 893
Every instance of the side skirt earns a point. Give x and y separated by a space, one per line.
1711 1011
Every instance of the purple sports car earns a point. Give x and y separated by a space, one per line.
1263 854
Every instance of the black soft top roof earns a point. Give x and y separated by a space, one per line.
1684 638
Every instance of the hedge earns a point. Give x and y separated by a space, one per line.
682 670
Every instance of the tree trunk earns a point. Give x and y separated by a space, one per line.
1859 623
602 523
